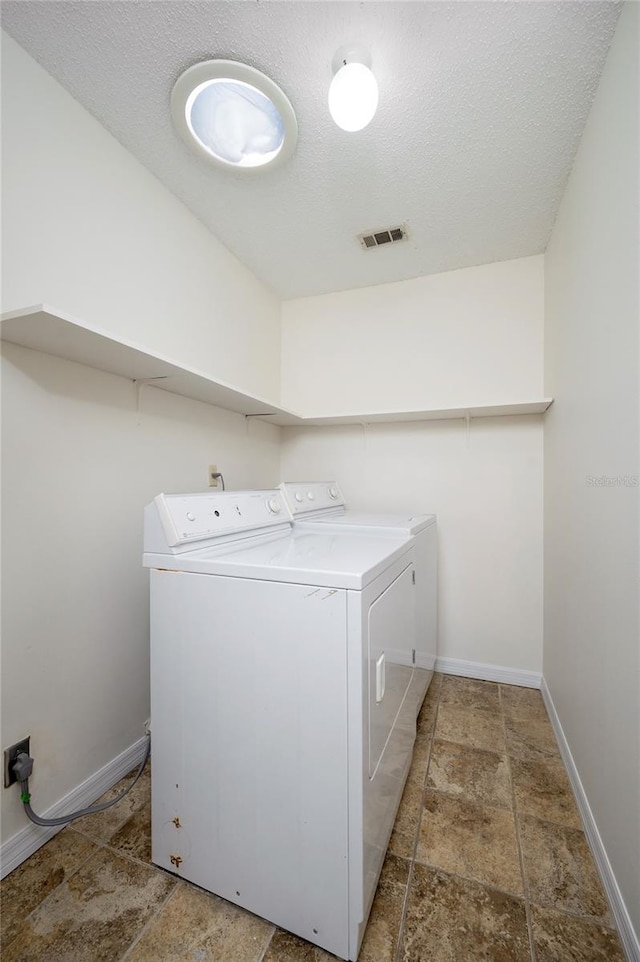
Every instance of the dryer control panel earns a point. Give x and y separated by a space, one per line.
188 518
305 498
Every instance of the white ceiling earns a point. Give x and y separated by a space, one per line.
482 105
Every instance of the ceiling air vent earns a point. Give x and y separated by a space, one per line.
378 238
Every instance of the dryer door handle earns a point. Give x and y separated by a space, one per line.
380 678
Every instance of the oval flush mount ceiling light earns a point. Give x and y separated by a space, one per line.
353 94
233 115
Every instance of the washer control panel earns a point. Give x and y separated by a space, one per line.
307 497
200 517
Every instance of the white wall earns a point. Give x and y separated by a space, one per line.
465 337
472 336
89 231
592 637
79 463
485 487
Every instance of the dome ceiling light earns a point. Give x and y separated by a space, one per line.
353 94
234 116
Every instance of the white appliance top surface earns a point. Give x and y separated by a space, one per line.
406 523
323 557
323 501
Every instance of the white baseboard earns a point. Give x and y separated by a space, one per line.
29 839
626 931
478 669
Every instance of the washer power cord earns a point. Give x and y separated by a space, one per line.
22 768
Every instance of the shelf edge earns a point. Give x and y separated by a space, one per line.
197 385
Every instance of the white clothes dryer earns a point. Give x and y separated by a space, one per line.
322 502
281 687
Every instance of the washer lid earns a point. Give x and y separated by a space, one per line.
332 559
403 523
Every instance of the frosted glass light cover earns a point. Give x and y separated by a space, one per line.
235 122
353 97
233 116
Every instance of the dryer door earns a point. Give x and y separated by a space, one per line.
391 644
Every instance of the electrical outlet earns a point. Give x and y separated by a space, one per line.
213 482
10 755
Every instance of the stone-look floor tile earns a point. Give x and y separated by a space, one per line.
542 788
530 738
453 920
95 915
477 775
560 938
196 925
520 702
472 840
285 947
470 694
476 729
405 829
134 838
105 824
560 870
383 928
29 884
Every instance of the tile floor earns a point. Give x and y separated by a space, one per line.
487 861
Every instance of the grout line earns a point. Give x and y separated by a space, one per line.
412 859
172 891
587 919
472 881
139 861
467 798
90 838
516 820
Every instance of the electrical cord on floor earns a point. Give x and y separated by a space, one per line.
23 766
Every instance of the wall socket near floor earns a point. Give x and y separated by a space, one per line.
213 482
10 755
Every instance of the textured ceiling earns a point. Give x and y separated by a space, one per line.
482 105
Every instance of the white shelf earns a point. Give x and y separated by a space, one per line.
434 414
48 330
45 329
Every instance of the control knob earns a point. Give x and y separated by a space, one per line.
311 496
191 516
274 505
299 497
333 494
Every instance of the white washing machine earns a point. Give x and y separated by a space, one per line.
281 687
323 503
